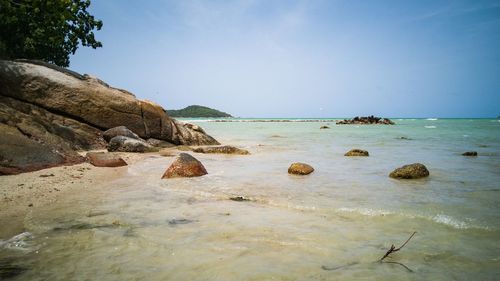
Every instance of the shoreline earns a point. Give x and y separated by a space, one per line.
25 192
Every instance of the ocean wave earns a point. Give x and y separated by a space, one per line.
430 127
431 119
439 218
20 241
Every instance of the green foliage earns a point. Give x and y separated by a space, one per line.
197 111
48 30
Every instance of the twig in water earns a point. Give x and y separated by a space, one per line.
394 249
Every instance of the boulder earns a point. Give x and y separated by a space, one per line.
92 102
470 153
357 152
126 144
324 127
119 131
300 169
102 159
62 112
412 171
226 149
159 143
185 165
20 153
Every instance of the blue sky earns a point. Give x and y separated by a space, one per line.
266 58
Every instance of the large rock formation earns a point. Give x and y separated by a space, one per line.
48 113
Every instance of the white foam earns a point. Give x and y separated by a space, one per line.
431 119
430 127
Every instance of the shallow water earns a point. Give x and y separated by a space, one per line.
343 217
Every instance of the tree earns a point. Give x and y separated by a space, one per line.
48 30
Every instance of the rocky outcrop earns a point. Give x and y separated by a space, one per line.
226 149
412 171
300 169
357 152
366 120
102 159
185 165
57 112
470 153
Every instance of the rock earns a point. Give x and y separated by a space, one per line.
300 169
470 153
239 199
185 165
357 152
412 171
119 131
324 127
366 120
126 144
54 112
20 153
226 149
159 143
102 159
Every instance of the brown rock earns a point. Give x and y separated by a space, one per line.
324 127
300 169
470 153
185 165
357 152
412 171
226 149
102 159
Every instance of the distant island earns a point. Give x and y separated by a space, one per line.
197 111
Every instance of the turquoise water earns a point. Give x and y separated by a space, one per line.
342 217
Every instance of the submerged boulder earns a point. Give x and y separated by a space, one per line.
412 171
226 149
126 144
324 127
366 120
470 153
300 169
185 165
102 159
119 131
357 152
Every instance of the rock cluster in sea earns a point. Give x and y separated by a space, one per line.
366 121
48 113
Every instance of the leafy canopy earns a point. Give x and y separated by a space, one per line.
48 30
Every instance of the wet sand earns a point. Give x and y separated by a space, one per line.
26 192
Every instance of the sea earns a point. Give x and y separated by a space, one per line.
248 219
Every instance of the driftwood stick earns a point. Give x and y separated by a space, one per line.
394 249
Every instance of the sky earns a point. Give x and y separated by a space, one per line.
317 58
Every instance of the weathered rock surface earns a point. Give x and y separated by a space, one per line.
159 143
126 144
102 159
226 149
412 171
185 165
357 152
366 120
58 111
470 153
119 131
300 169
